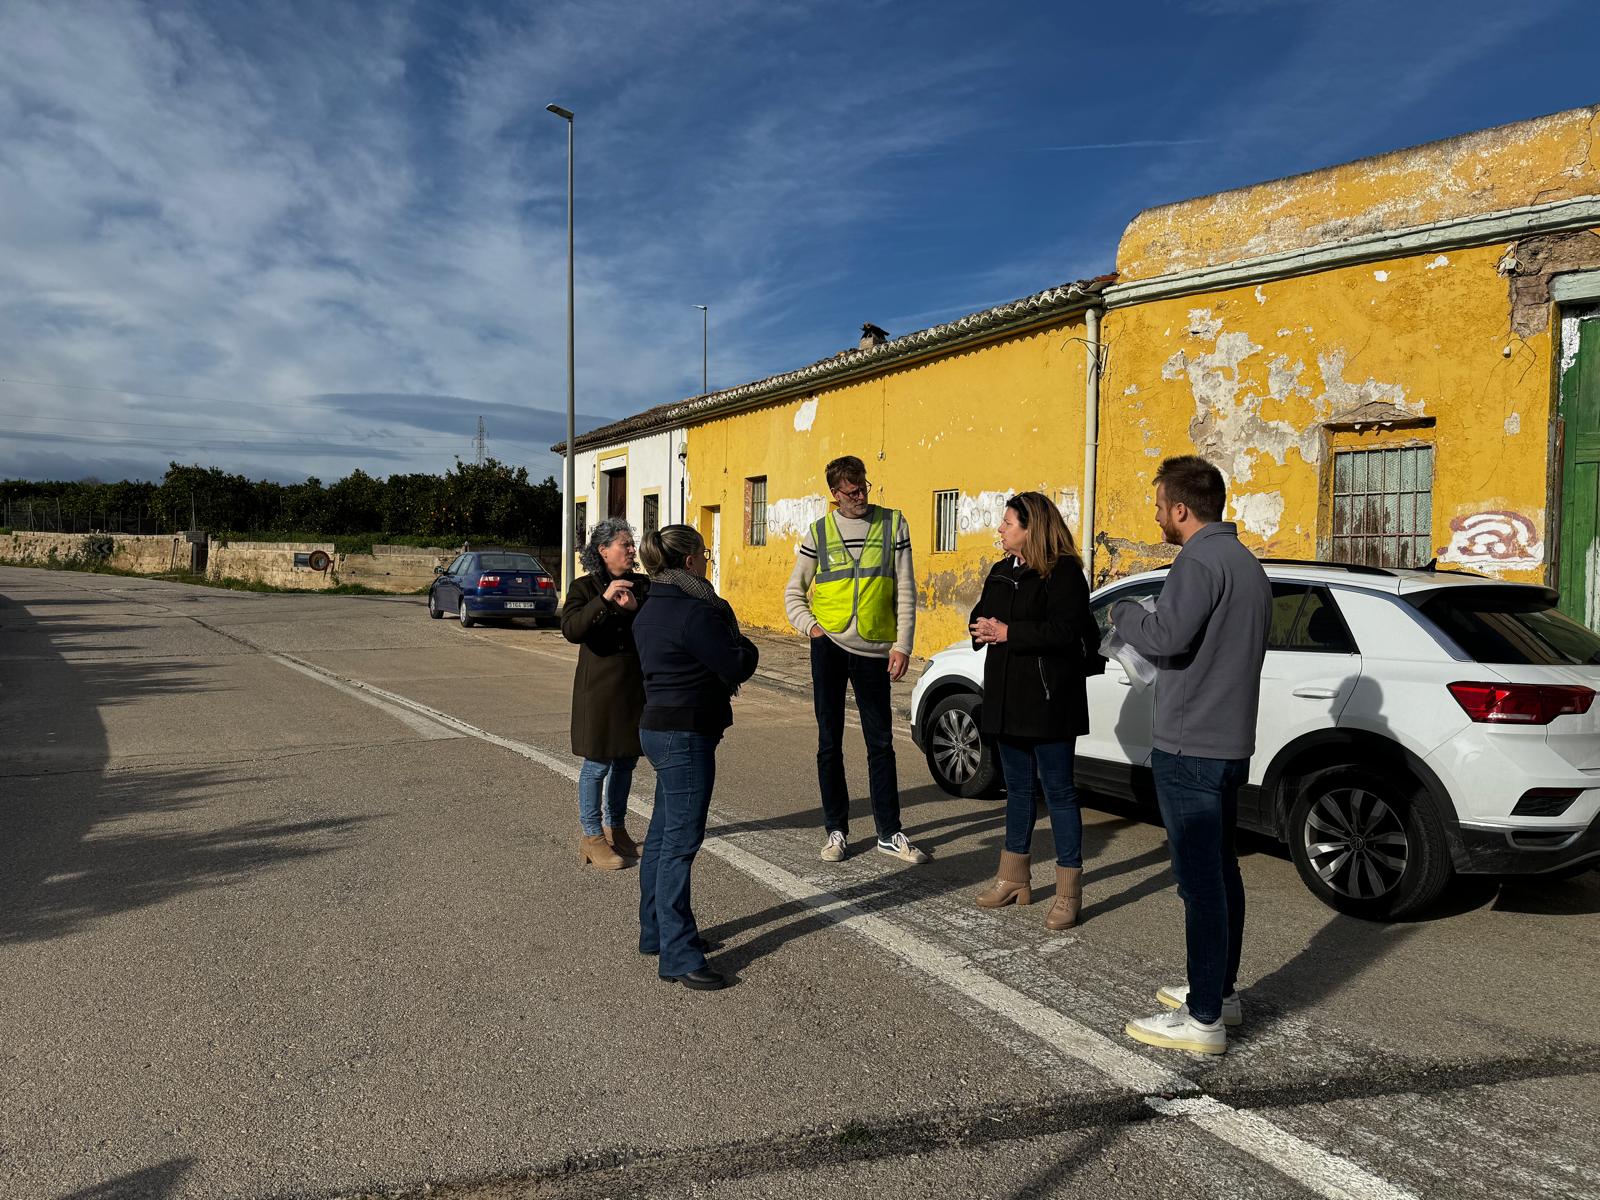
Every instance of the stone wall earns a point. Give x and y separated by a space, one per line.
392 568
148 554
271 563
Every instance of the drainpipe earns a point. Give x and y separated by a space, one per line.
1091 437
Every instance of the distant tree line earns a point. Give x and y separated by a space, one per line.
484 501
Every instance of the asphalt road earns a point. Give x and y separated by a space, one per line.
290 905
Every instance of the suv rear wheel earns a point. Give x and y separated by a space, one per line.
961 760
1368 844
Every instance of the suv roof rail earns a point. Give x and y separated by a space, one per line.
1353 568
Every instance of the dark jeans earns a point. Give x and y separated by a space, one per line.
1199 799
1018 759
831 669
686 770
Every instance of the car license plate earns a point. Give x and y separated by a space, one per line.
519 604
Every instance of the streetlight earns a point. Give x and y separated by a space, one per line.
705 345
569 512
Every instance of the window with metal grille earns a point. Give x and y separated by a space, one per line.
1383 506
651 514
945 518
755 510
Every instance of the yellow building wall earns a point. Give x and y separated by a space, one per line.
1539 161
1252 377
986 421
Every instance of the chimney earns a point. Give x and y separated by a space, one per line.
872 336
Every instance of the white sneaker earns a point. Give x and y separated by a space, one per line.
901 848
1232 1006
1179 1031
833 850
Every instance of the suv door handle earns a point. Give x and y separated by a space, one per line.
1316 693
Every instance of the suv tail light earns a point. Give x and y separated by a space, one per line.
488 581
1521 703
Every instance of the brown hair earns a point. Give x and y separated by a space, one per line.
846 469
669 547
1191 481
1049 540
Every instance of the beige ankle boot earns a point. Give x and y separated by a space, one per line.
1064 909
621 841
598 851
1013 885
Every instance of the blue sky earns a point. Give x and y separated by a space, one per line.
290 239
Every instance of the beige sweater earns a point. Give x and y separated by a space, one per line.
797 594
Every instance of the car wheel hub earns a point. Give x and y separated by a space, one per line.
1356 843
957 746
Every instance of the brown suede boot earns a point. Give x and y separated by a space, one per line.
598 851
622 841
1013 885
1064 909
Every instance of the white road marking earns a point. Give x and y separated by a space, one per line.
404 713
1319 1171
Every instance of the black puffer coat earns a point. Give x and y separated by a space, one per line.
608 689
1033 681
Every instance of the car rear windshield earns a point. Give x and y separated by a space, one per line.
1510 625
509 562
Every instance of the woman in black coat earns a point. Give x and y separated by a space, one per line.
607 691
1042 643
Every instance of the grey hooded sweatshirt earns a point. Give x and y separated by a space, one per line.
1207 638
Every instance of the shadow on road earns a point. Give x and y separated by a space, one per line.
152 1183
82 839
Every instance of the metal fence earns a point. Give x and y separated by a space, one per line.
50 516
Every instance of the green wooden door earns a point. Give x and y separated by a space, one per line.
1580 473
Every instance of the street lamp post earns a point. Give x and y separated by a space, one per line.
705 346
569 512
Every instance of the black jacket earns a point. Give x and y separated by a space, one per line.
692 658
608 688
1033 681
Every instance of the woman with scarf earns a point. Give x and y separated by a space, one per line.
694 660
1034 619
607 690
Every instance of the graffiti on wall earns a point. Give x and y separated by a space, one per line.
1495 540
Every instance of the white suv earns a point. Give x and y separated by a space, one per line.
1413 724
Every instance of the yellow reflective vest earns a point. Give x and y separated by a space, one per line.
864 588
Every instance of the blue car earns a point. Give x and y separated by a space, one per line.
493 585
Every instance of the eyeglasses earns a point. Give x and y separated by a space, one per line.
854 493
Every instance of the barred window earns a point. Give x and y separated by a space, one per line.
945 519
1383 506
755 510
651 516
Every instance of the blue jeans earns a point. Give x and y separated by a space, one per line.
614 776
1199 799
831 669
1018 759
686 770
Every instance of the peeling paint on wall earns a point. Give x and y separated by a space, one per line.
1381 276
1260 512
805 415
976 514
1228 427
1441 261
1514 424
1492 541
1261 296
1203 325
1569 345
791 518
1070 507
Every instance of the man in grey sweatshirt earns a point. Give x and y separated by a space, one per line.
1207 638
854 594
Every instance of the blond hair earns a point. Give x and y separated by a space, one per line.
1048 539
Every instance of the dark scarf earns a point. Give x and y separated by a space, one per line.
700 589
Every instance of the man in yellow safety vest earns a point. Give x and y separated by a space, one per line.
854 594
